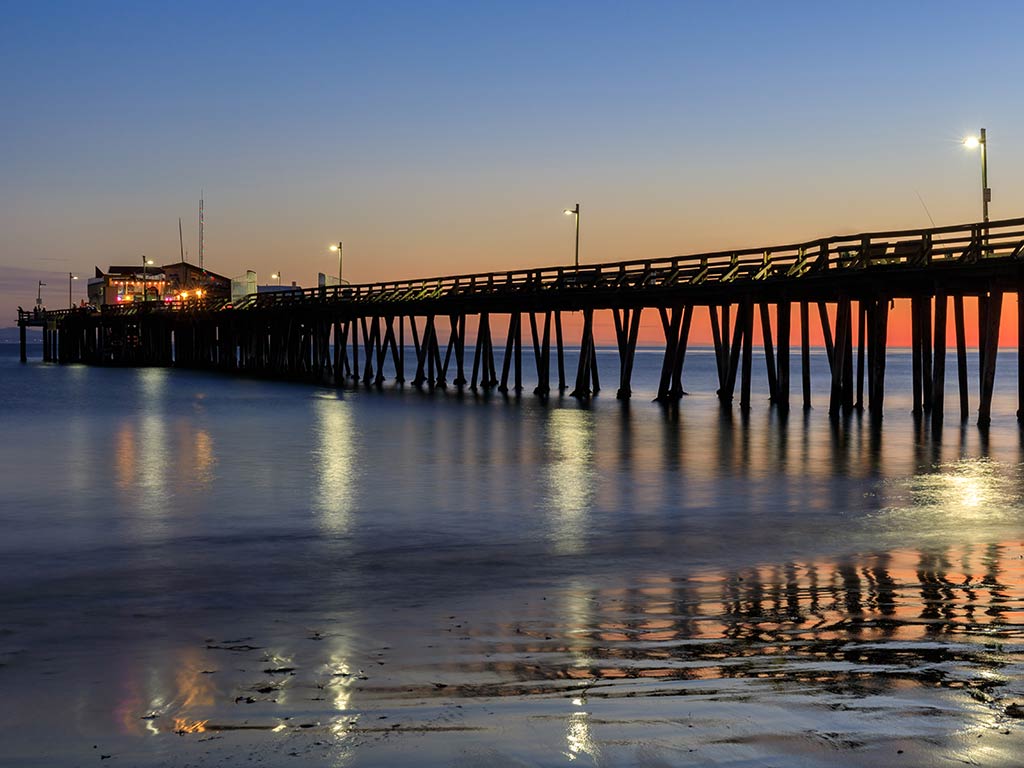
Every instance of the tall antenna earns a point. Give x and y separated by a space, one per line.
181 241
200 229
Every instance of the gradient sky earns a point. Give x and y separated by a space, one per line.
437 137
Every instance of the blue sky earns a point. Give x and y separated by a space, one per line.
445 137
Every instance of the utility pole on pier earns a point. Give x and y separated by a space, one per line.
981 141
338 249
576 212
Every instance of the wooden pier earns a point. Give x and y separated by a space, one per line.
350 334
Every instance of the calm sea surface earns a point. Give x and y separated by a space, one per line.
200 570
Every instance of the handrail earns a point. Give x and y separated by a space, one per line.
893 249
793 261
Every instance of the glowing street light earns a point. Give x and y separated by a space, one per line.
276 276
71 302
338 249
576 212
145 263
974 142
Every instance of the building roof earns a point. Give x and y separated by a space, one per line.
122 271
196 267
154 271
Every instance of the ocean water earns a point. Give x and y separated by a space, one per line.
203 570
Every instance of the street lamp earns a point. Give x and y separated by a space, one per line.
576 212
277 276
973 142
338 249
145 263
71 303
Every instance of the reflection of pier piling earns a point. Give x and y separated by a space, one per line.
323 334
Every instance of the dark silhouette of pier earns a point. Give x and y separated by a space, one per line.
348 333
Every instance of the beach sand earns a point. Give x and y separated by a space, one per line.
901 659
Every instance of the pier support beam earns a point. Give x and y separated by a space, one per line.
586 379
671 322
783 320
769 355
513 347
1020 353
915 350
989 335
877 343
861 343
627 329
542 353
961 357
805 352
747 309
939 359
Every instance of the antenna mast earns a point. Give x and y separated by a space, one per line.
181 241
200 229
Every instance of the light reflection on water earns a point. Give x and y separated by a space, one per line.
337 468
399 550
569 477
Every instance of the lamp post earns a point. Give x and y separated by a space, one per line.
71 302
986 194
145 263
576 212
338 249
276 275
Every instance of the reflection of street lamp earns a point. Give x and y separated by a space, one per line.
576 212
71 302
145 263
338 249
276 275
972 142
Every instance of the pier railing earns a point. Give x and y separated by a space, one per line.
825 257
900 249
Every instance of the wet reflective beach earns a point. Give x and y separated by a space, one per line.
206 571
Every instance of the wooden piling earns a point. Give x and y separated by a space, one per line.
748 342
926 353
961 356
585 368
769 354
627 328
716 336
915 344
733 361
677 390
560 354
993 311
826 332
1020 352
879 335
861 343
805 352
783 319
839 360
670 322
939 372
542 353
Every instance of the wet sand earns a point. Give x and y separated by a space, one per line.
903 658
